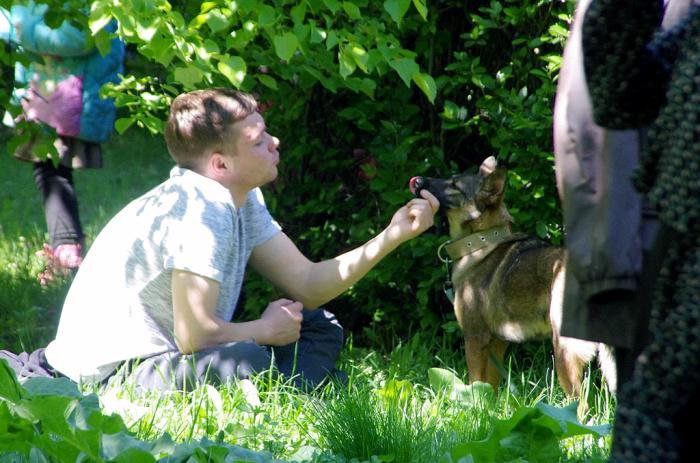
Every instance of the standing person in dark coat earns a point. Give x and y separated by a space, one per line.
642 64
607 227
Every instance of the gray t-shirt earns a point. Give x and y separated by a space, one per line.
119 306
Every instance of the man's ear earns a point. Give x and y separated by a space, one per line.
219 164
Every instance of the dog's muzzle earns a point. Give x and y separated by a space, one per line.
415 185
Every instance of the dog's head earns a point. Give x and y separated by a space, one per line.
471 202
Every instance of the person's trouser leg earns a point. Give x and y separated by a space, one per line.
216 365
310 360
29 364
307 361
55 183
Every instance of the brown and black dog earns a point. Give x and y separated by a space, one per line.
508 287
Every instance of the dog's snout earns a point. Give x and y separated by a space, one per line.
416 184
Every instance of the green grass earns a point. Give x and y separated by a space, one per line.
390 411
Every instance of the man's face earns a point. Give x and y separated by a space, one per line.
255 156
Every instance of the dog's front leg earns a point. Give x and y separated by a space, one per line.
484 355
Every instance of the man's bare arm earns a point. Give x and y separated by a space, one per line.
314 284
197 327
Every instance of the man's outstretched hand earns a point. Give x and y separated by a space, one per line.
414 218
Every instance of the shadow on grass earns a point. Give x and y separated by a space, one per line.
28 313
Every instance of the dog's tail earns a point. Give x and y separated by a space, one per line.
608 367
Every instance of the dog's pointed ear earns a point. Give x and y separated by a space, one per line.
488 166
493 186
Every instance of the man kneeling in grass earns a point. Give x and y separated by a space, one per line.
161 280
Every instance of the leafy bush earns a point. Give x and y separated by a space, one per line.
363 95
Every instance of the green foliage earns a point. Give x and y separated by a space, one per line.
387 423
532 435
364 95
48 419
477 394
268 416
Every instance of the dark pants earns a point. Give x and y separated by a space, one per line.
55 183
307 362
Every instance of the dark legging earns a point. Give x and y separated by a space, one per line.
55 183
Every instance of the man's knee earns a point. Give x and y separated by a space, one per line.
321 324
242 359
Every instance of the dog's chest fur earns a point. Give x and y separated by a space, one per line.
508 293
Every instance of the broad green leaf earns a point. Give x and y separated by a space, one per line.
267 81
440 379
483 451
452 111
285 45
375 59
208 48
352 10
52 386
359 54
146 27
557 30
426 83
328 83
10 388
389 53
317 35
248 5
206 6
564 422
476 394
233 68
103 42
133 455
217 21
188 76
126 22
422 8
397 9
122 124
15 433
302 32
365 85
99 19
332 40
347 62
541 229
160 49
333 5
118 446
298 13
266 16
407 68
153 124
199 21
